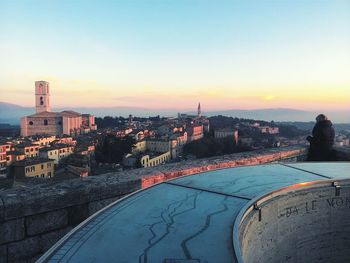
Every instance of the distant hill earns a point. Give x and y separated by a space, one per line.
308 126
282 115
11 113
278 114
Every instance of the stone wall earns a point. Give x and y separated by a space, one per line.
34 217
54 125
310 224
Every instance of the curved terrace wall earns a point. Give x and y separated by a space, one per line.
305 223
33 218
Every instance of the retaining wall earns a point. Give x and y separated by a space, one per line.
34 217
310 224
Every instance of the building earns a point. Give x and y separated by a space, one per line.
159 145
194 132
29 149
14 156
162 146
76 171
206 124
152 152
9 145
86 148
268 130
3 162
155 160
56 152
224 133
137 135
38 167
65 140
163 129
139 147
341 141
43 140
246 140
180 137
53 123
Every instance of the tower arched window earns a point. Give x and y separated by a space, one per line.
46 122
41 101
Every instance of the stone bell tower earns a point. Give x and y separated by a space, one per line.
42 96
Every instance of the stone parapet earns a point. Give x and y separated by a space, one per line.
34 217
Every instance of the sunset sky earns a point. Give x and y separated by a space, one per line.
174 53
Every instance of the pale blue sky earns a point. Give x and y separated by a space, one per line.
167 53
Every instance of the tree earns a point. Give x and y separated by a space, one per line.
112 149
208 146
109 122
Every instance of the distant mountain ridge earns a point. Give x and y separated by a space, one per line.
275 114
11 113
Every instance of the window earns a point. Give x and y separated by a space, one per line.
41 101
49 174
30 123
32 169
27 150
46 122
59 123
27 169
31 149
42 175
42 166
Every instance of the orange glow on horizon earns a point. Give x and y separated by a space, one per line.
92 93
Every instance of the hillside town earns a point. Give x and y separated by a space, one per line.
68 144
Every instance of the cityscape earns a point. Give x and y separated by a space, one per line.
68 144
174 131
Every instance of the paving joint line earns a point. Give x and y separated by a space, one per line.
324 176
209 191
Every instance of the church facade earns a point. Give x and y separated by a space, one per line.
54 123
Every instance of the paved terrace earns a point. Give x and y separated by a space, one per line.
191 219
33 218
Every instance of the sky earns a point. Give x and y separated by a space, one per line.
174 53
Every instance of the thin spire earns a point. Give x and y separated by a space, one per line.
199 112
